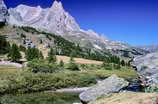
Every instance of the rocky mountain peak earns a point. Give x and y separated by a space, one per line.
2 3
57 5
54 19
3 11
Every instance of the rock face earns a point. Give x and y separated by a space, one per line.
128 98
110 85
147 68
53 19
3 11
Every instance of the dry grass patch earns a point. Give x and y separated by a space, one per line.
79 60
7 70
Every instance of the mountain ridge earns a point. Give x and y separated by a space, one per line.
56 20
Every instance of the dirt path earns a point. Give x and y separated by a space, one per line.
8 63
69 90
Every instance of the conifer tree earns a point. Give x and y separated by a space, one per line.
123 63
32 53
14 53
51 56
4 45
61 64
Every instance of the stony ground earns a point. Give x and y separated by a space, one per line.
128 98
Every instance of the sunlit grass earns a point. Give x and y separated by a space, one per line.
7 70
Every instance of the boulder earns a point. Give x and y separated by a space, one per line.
112 84
128 98
147 68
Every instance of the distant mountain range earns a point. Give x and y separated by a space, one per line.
150 48
56 20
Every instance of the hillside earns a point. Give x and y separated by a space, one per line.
27 36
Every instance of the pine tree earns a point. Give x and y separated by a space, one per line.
14 53
32 53
61 64
123 63
51 56
4 45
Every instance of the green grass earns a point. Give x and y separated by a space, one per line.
124 72
40 98
7 70
16 80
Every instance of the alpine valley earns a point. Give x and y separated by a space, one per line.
47 58
57 21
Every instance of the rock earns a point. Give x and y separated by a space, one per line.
3 11
128 98
147 68
112 84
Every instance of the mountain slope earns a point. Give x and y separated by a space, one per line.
56 20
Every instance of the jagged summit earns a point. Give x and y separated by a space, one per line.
3 11
57 5
53 19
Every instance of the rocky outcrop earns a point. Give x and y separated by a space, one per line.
112 84
3 11
147 68
128 98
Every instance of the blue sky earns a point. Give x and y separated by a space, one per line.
131 21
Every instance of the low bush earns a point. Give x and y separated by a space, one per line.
73 67
25 82
152 89
42 66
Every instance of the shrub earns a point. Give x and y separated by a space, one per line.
61 64
107 66
42 66
152 89
72 65
22 48
25 82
